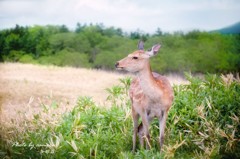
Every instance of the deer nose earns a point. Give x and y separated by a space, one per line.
117 64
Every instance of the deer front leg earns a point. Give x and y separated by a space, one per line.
145 123
162 125
135 117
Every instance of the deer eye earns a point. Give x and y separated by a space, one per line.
134 57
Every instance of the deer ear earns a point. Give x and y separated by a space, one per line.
154 50
140 45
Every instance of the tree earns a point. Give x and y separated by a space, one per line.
63 29
158 32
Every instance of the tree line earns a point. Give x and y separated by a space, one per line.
97 46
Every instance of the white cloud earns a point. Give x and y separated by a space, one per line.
130 15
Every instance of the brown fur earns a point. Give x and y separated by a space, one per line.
151 95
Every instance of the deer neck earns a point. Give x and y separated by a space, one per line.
148 83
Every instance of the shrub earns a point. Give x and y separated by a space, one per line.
14 56
205 114
27 58
66 58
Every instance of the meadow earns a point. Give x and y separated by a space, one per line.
81 113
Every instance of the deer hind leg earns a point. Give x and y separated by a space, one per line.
135 117
162 125
143 134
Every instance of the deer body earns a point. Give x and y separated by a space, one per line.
151 94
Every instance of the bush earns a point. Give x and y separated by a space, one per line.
206 116
106 60
14 56
27 59
66 58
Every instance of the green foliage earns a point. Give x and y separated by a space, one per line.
194 51
87 131
118 95
66 58
206 114
27 58
14 56
105 60
202 123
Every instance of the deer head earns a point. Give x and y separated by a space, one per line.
138 60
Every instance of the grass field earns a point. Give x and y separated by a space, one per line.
45 114
27 88
24 83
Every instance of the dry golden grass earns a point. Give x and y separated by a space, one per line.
25 90
24 85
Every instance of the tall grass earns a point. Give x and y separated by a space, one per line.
203 123
206 115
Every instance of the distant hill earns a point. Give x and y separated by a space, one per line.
232 29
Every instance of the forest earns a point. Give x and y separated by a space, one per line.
98 46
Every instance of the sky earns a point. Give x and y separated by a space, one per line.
129 15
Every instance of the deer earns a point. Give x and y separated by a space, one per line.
150 93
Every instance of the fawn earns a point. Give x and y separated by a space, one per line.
151 94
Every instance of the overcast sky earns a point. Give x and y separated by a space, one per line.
130 15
